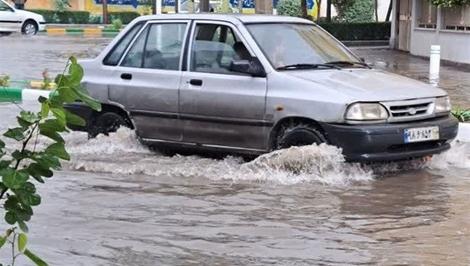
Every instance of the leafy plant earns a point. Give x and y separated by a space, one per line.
463 115
289 8
117 24
21 168
61 5
224 7
354 10
450 3
4 80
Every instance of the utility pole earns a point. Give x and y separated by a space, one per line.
303 7
177 6
204 5
105 12
328 10
240 6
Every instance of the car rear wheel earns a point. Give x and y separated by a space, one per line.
298 135
29 28
106 123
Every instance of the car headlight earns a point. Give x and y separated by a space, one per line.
442 105
366 112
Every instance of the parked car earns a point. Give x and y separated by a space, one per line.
15 20
253 84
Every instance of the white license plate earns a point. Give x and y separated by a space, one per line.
421 134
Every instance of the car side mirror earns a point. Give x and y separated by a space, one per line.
252 67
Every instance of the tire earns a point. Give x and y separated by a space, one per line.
106 123
29 28
298 135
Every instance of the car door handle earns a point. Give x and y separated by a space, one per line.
195 82
126 76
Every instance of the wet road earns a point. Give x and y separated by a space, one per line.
117 203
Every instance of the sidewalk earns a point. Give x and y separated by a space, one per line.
455 80
88 30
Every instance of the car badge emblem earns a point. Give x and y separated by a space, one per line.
412 111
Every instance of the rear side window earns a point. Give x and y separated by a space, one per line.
157 47
113 57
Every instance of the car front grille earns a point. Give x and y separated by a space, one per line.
401 111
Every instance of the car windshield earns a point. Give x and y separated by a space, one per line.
290 45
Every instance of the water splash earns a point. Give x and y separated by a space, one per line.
458 156
121 153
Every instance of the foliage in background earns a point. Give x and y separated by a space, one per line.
117 24
23 166
4 80
450 3
354 10
125 16
224 7
61 5
463 115
358 31
64 17
289 8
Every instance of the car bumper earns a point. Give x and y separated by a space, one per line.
385 142
42 26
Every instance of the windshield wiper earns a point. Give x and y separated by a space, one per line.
351 63
306 66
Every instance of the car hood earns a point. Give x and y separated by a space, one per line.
27 14
368 84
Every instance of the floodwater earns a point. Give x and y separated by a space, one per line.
117 203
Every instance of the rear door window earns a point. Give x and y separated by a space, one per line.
159 46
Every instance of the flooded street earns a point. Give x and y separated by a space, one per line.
117 203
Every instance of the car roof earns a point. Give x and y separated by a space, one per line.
234 18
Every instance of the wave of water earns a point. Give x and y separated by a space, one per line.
122 153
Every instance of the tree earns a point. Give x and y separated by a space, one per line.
354 10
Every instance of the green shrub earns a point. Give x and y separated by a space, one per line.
117 24
64 17
450 3
289 8
354 11
125 16
358 31
463 115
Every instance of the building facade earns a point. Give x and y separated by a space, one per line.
417 24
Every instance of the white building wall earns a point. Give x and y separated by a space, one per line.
455 45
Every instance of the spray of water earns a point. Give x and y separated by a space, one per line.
122 153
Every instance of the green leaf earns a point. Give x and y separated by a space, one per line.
84 97
50 129
22 241
10 217
75 72
3 240
47 161
15 179
15 133
23 226
2 144
34 200
38 170
34 258
58 149
29 116
73 119
59 114
44 110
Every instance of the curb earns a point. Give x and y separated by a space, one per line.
89 31
12 94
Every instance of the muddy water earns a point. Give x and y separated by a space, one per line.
117 203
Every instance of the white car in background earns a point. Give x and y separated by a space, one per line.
15 20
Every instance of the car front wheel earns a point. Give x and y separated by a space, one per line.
29 28
298 135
